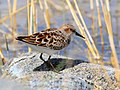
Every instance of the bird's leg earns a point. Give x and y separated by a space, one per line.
42 57
52 65
48 62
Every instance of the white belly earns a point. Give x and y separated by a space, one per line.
43 49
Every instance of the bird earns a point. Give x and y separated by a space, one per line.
50 40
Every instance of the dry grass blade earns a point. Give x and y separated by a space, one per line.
2 31
56 6
80 27
10 12
41 6
31 20
6 17
107 18
92 18
100 26
8 27
88 37
34 15
14 24
89 56
28 17
46 14
2 57
108 22
28 20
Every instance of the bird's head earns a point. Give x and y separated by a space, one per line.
69 30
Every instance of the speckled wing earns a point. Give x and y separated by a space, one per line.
50 38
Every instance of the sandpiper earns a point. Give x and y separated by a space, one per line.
50 40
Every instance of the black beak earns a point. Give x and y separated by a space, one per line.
76 33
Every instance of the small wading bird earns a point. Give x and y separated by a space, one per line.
50 40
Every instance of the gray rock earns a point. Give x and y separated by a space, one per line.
84 76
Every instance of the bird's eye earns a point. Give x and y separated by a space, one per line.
72 30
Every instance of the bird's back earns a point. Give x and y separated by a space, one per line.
51 38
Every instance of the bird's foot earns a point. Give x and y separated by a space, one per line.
49 64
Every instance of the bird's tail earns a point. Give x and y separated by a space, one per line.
21 38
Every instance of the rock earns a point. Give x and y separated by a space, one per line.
7 84
29 70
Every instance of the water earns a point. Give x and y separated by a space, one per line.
74 50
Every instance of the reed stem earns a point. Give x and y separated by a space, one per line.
46 14
14 25
28 21
8 16
100 26
2 57
40 3
107 17
89 41
92 18
34 16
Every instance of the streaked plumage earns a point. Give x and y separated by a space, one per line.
50 40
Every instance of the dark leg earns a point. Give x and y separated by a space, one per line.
52 65
42 57
48 63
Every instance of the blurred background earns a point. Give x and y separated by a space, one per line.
24 17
